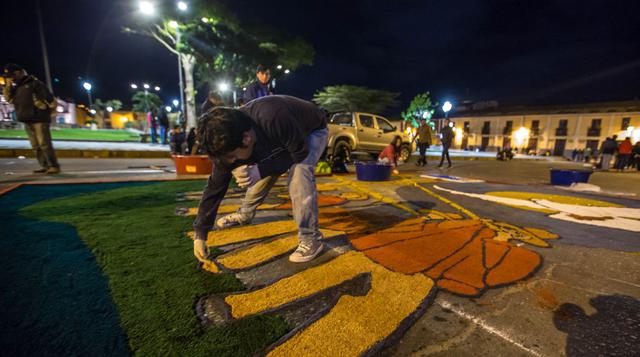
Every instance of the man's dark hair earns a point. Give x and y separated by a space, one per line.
262 68
12 67
221 130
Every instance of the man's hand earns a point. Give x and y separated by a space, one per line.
200 250
246 175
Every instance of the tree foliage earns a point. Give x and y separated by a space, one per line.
420 107
355 99
103 105
145 102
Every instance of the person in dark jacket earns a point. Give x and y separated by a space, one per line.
636 155
424 141
33 103
261 87
255 144
608 149
177 140
447 138
163 120
191 142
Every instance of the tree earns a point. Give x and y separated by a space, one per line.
420 107
208 37
101 107
145 101
355 99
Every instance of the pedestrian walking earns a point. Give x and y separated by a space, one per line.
636 155
255 144
624 153
423 136
447 138
33 103
608 149
261 86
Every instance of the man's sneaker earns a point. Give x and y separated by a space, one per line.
53 171
231 220
306 251
40 171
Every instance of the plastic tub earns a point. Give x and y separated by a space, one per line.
372 171
192 164
561 177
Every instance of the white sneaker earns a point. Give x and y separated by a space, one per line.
231 220
306 251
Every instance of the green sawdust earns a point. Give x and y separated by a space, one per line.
139 244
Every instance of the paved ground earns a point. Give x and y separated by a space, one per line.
86 145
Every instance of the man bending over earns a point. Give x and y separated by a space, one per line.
256 144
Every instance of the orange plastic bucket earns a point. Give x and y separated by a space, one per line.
192 164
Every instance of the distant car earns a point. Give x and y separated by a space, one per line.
363 132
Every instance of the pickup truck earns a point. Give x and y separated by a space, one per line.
363 132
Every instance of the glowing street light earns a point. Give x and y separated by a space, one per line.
183 6
223 86
286 71
446 107
205 20
175 103
109 109
147 8
279 66
92 111
146 86
87 86
134 86
168 109
156 88
173 24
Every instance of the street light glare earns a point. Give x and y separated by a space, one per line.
223 86
109 109
173 24
168 109
204 19
93 111
134 86
279 66
87 86
157 88
182 6
147 8
446 107
146 86
176 102
286 71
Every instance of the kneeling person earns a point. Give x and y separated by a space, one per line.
256 144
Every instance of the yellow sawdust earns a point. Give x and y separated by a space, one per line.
354 324
326 187
553 198
506 232
541 233
353 196
368 191
283 196
210 267
261 252
247 233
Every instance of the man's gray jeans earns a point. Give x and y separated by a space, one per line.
302 190
40 138
606 161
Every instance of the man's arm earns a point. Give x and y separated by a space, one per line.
213 194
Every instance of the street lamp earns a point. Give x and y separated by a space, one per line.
109 109
147 8
146 86
134 86
175 103
87 86
182 6
157 89
223 86
168 109
279 66
446 107
286 71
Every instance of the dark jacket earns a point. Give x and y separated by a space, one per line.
609 146
163 119
23 97
447 136
282 125
257 90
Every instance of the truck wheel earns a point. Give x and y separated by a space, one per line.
405 153
342 149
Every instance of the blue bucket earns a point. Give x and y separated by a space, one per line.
561 177
372 171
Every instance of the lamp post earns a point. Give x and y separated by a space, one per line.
87 86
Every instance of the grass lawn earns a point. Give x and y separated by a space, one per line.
139 245
77 134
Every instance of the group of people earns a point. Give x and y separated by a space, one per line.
626 154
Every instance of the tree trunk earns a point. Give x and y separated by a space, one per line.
188 64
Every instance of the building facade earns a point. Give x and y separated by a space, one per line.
547 131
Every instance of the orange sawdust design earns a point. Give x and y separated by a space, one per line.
461 256
323 201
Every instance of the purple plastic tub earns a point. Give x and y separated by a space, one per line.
372 171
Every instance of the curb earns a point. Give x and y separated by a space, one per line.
122 154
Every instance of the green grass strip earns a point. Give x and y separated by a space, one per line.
77 134
139 244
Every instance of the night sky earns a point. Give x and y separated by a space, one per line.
516 52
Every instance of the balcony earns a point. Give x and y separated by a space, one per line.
593 132
561 131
